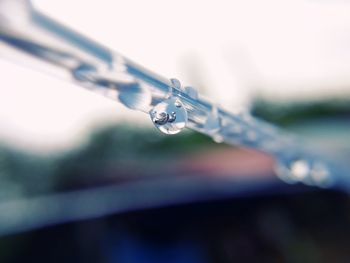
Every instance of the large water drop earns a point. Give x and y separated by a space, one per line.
169 116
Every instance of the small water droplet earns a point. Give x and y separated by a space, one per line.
160 118
178 104
213 124
169 116
321 175
176 83
218 138
191 92
134 96
118 64
293 171
130 92
299 169
84 72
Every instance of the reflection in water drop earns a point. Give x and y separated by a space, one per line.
169 116
178 103
160 118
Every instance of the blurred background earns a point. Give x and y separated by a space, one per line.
84 179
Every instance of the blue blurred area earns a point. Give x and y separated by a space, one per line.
134 249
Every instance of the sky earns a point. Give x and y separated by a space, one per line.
230 50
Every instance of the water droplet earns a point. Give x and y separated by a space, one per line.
293 171
118 64
299 169
169 116
84 72
218 138
191 92
178 104
321 175
175 83
134 96
212 125
131 93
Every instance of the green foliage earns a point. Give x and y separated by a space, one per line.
110 154
285 114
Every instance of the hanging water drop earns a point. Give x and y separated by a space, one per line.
169 116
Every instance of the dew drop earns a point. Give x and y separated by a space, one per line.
191 92
212 124
293 171
176 83
299 169
84 72
218 138
321 175
134 96
178 103
169 116
127 90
